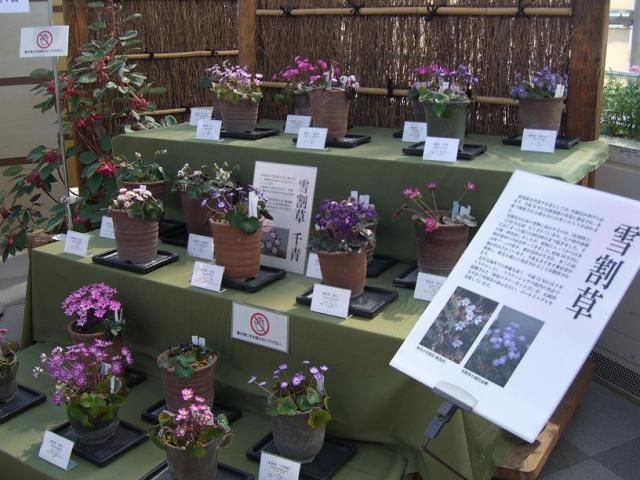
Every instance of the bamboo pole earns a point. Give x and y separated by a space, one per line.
247 33
403 11
169 111
197 53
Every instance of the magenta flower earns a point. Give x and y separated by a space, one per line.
430 225
187 394
410 192
432 186
471 187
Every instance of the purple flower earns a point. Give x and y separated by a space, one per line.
297 379
284 385
252 379
283 366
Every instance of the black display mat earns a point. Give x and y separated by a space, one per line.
267 276
151 414
165 226
225 472
178 236
407 278
127 437
24 399
367 305
256 134
469 150
398 133
110 259
380 264
350 140
133 376
335 453
562 142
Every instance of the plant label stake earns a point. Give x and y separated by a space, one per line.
56 450
313 266
106 228
14 6
253 204
274 467
559 91
296 122
535 140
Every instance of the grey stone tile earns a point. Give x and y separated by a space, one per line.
587 470
604 420
564 455
624 460
14 266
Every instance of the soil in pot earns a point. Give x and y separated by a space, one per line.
451 124
196 216
201 381
344 270
96 434
330 110
295 439
239 117
136 239
236 251
302 105
184 466
8 383
157 189
440 250
540 113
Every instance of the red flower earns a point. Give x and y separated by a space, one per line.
106 168
34 178
139 103
51 87
51 156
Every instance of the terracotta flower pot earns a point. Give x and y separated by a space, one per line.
417 110
344 270
94 435
239 117
184 466
8 384
236 251
136 239
195 215
295 439
216 109
201 381
440 250
330 110
451 124
157 189
302 105
542 113
88 338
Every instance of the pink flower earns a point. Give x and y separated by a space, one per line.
470 186
430 225
187 394
432 186
411 192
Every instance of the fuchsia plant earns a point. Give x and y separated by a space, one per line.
94 309
298 77
234 83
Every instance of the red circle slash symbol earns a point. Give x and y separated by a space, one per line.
259 324
44 39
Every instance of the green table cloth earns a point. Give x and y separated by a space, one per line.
370 401
378 168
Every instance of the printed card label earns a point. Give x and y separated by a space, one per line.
56 450
441 149
14 6
330 300
106 228
208 130
296 122
427 286
207 276
414 132
260 326
200 246
534 140
49 41
274 467
200 113
76 243
311 138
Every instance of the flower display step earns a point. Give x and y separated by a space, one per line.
110 258
368 305
469 151
380 264
350 140
255 134
24 399
563 142
265 277
225 472
407 278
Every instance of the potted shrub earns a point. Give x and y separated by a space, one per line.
135 215
298 83
331 96
239 95
195 186
539 107
88 380
299 410
236 230
340 238
441 237
187 366
192 438
446 101
8 367
136 173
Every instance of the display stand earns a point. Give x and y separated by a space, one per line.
256 134
133 376
367 305
469 151
110 259
407 278
350 140
266 277
380 264
225 472
563 142
24 399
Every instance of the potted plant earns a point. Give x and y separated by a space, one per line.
88 380
340 238
187 366
236 218
441 237
239 95
8 367
135 215
538 105
211 81
136 173
298 83
446 101
421 76
194 187
95 313
331 96
192 438
299 410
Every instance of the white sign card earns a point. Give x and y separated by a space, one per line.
289 190
559 91
207 276
414 132
106 228
49 41
522 309
208 130
441 149
200 246
313 266
76 243
330 300
427 285
14 6
200 113
200 341
56 450
311 138
260 326
534 140
274 467
296 122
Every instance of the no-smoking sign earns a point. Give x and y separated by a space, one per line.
259 324
48 41
44 39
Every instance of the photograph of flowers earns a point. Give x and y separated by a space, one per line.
458 324
504 345
275 242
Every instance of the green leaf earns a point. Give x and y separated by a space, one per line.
12 171
128 35
135 16
303 403
89 77
87 157
98 25
313 396
318 417
93 183
105 142
41 74
183 372
157 90
286 406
